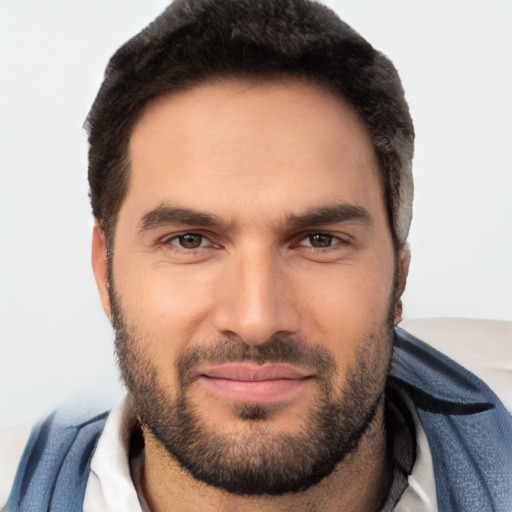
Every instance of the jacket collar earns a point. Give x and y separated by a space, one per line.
434 381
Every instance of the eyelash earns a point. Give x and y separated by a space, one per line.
168 243
331 238
334 240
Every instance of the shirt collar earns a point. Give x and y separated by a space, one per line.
110 487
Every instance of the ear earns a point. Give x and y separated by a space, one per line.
404 261
100 266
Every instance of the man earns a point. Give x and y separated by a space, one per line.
250 175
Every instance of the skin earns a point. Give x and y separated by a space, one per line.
258 156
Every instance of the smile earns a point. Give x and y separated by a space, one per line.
250 382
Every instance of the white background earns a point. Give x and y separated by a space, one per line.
455 61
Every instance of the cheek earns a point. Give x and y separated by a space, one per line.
348 305
171 306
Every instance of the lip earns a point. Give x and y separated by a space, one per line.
250 382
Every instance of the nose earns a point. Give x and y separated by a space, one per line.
257 298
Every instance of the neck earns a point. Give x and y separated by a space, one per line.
359 483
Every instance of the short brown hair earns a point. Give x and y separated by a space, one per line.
196 40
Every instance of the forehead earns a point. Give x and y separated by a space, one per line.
252 146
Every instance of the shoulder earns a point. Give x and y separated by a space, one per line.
484 347
51 458
468 428
12 443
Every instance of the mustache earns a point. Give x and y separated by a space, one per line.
277 349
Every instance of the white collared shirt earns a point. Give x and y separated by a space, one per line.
111 489
111 486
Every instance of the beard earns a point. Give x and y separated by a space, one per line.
251 458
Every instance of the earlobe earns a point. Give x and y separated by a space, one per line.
404 261
100 266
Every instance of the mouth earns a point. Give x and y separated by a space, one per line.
249 382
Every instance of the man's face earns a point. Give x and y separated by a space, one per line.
252 282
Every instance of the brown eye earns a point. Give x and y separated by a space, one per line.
189 240
320 240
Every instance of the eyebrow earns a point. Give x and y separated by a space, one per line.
332 214
164 215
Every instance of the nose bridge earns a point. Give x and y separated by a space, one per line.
257 303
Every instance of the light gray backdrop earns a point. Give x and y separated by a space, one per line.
454 58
